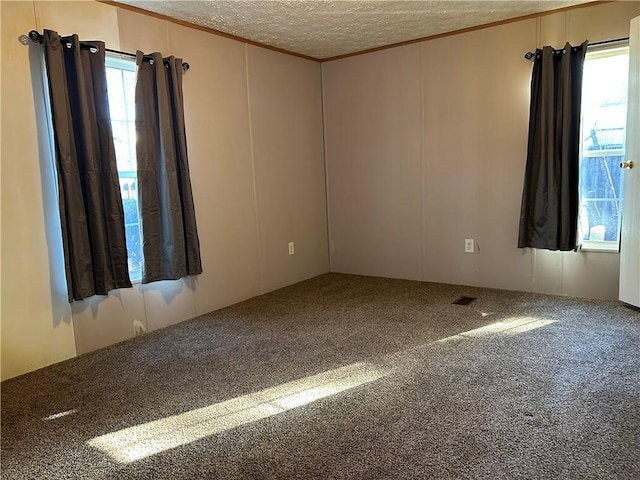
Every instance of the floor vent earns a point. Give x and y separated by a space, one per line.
464 301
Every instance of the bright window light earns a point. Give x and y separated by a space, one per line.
121 84
604 107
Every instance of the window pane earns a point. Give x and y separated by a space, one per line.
601 188
129 79
121 140
121 78
604 101
116 94
132 146
134 244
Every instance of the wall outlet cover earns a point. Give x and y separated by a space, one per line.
469 245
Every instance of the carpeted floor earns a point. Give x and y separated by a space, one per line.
345 377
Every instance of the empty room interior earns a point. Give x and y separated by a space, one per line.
365 308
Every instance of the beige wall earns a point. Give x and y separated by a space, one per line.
288 160
254 132
426 146
373 144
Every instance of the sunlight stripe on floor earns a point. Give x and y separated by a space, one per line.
510 326
141 441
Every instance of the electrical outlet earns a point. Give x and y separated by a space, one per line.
292 248
468 245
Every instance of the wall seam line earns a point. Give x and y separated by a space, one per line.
190 281
253 172
326 168
422 159
35 16
534 254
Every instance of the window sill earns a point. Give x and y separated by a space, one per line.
601 247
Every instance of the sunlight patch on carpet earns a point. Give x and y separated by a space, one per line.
510 326
60 414
141 441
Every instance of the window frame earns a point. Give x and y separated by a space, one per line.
593 53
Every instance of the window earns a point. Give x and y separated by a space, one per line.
121 82
604 106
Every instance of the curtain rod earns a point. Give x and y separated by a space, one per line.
530 55
36 36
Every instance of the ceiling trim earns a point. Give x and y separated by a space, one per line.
346 55
468 29
205 29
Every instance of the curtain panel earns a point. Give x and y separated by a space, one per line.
91 212
170 237
549 209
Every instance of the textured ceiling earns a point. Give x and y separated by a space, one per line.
325 28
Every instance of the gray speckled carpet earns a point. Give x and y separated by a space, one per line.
344 376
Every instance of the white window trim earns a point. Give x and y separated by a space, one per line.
602 247
121 63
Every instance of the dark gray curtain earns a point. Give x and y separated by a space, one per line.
170 237
549 211
91 212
